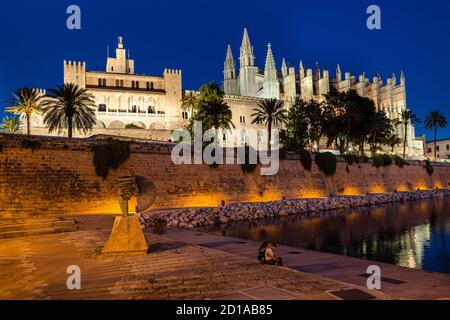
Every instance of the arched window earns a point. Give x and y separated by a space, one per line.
151 109
99 82
133 109
148 85
121 83
102 107
185 115
104 82
133 84
117 83
151 85
137 84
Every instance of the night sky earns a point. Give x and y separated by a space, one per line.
192 36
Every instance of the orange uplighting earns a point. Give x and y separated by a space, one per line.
311 193
351 191
403 188
265 196
377 189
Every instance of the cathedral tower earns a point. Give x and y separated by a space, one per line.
271 84
230 83
248 70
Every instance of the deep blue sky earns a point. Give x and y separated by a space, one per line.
192 36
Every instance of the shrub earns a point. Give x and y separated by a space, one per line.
110 154
429 167
305 159
132 126
400 162
326 162
248 167
382 160
351 158
30 144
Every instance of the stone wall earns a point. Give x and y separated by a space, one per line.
59 178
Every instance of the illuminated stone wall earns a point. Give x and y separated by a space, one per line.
59 178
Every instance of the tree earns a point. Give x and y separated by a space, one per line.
26 102
269 112
316 116
392 140
10 125
433 120
295 137
379 127
407 118
351 114
212 110
69 106
189 102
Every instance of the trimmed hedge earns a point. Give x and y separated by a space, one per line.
305 159
326 162
400 162
382 160
110 154
351 158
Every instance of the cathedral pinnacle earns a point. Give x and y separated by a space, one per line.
284 69
270 71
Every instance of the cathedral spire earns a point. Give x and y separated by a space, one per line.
394 79
338 73
317 75
229 66
402 78
301 70
284 69
270 71
246 53
271 84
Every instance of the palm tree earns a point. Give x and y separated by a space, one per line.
269 112
10 125
26 102
392 140
215 114
433 120
69 106
407 117
189 102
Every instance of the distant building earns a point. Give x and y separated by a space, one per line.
442 149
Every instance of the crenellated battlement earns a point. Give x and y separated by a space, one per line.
172 71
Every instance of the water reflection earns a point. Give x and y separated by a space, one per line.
415 235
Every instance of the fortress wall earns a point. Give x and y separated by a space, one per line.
58 178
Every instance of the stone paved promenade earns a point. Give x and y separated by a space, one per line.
35 268
185 265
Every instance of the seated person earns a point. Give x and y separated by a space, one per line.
269 255
262 252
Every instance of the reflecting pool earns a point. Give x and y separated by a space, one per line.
413 235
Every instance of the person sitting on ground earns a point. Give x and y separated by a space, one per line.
262 252
270 257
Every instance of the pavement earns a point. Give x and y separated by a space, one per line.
192 265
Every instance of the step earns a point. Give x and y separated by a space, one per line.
35 232
21 220
36 225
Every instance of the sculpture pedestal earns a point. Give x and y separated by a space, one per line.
126 237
